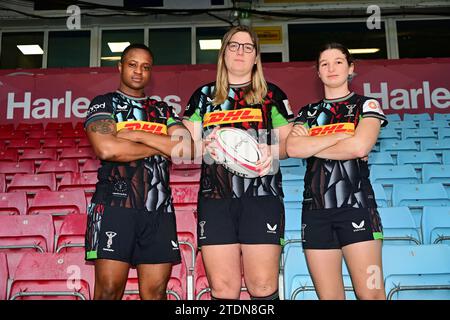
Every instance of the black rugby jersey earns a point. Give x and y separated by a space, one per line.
338 183
258 119
142 183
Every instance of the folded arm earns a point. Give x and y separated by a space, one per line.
102 135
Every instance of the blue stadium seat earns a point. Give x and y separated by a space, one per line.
434 124
291 162
417 117
436 173
292 175
293 224
400 145
399 226
419 135
389 175
389 134
437 146
380 195
418 196
446 157
436 225
417 159
417 272
442 116
381 158
399 125
293 196
393 117
444 133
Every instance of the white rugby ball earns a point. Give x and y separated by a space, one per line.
238 151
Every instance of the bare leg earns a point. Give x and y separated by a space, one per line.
110 279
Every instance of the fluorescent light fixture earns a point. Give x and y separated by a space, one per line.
363 51
29 49
114 58
213 44
118 46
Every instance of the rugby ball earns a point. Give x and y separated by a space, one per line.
237 151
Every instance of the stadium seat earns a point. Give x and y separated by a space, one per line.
184 176
434 124
4 275
419 135
8 155
436 225
418 196
13 203
73 133
59 126
7 127
380 195
443 133
53 276
21 144
91 165
38 155
202 290
446 157
417 272
81 154
43 135
393 117
380 158
293 224
185 193
293 195
442 116
186 166
30 127
84 142
2 182
59 144
85 181
79 126
293 175
437 146
7 136
417 117
399 226
32 182
291 162
400 145
417 159
399 125
388 175
10 168
436 173
58 203
389 134
21 234
70 236
58 167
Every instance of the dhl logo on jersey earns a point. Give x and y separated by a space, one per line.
346 127
232 116
146 126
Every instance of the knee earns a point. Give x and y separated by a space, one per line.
262 287
154 292
225 289
109 291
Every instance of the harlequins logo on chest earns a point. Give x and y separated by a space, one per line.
350 109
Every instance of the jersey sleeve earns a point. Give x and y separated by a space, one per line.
192 111
281 111
372 109
100 108
301 118
172 116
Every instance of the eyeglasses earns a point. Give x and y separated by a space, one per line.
234 46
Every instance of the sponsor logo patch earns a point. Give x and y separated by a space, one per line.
232 116
345 127
153 127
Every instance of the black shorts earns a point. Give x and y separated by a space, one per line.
336 228
257 220
130 235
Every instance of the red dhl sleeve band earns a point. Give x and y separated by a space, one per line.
232 116
146 126
346 127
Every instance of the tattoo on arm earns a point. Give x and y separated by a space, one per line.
103 126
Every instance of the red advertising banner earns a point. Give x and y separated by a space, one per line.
63 95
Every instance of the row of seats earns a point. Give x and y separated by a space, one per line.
418 117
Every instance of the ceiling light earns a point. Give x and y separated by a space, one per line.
114 58
29 49
363 51
213 44
118 46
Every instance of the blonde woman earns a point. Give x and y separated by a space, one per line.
241 220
